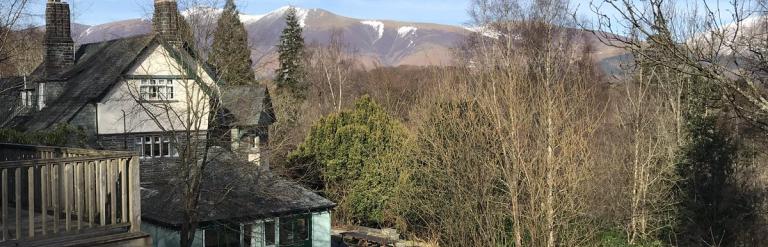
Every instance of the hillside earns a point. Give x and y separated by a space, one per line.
377 42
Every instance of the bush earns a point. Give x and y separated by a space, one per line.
619 239
61 135
352 157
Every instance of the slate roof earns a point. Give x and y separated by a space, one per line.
10 99
234 191
98 66
249 105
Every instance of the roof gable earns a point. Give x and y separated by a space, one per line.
98 67
248 105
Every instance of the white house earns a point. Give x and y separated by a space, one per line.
146 93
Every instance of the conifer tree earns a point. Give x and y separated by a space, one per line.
230 53
291 74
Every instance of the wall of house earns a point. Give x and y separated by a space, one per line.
257 234
119 112
321 229
86 119
164 237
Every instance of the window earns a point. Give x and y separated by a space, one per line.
155 146
294 231
222 236
156 89
269 233
27 98
256 142
41 97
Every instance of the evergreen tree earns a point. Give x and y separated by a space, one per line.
230 53
291 74
352 156
713 207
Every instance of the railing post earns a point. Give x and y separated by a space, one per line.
90 191
134 194
31 198
79 193
55 190
67 181
112 182
17 180
44 176
101 186
123 163
5 204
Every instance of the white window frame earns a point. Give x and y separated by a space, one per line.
27 98
157 89
163 144
41 96
276 222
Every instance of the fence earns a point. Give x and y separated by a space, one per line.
50 192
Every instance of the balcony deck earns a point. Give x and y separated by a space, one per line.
69 197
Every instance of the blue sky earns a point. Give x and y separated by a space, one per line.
452 12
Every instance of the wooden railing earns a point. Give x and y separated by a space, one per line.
50 192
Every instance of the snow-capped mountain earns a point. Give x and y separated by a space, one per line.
377 42
739 36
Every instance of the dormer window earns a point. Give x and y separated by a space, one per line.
27 98
156 89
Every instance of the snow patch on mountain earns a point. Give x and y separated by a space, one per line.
735 35
404 31
87 32
202 12
248 19
214 13
485 31
300 13
377 25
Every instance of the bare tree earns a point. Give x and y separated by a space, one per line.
17 50
11 12
511 154
334 65
721 43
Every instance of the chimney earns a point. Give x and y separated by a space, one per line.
59 47
165 22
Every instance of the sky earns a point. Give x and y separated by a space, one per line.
450 12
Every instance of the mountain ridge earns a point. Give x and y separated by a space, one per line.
375 42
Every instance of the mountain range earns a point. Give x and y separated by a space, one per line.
376 42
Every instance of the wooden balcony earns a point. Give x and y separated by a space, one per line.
69 197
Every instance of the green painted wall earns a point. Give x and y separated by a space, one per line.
163 237
321 229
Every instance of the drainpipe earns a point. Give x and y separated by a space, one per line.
125 134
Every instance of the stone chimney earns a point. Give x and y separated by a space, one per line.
59 47
166 21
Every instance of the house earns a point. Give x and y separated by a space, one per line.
152 95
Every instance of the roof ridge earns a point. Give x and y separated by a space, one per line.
137 36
